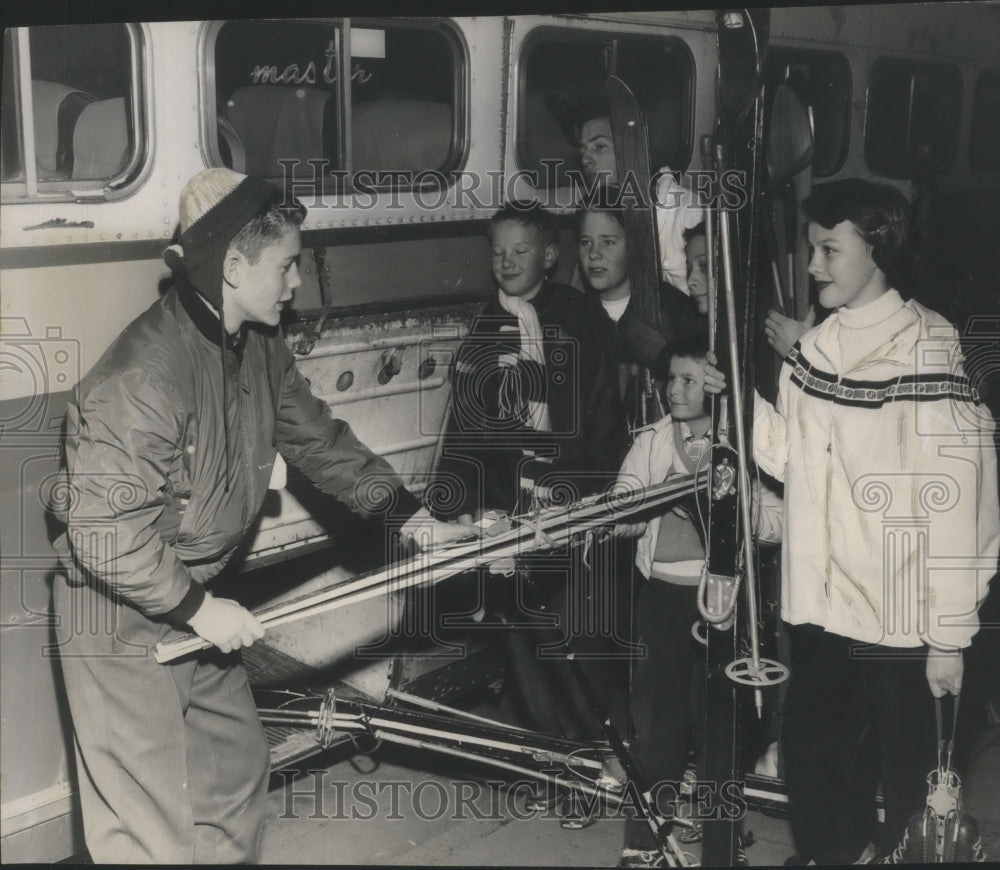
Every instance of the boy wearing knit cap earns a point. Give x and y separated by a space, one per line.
174 437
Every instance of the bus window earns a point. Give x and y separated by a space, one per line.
83 106
279 97
823 80
276 91
913 115
563 74
405 99
984 146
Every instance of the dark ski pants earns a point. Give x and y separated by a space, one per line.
172 761
855 714
666 685
540 633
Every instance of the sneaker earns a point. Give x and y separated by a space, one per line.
641 858
744 840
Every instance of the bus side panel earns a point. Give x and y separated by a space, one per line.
37 767
59 319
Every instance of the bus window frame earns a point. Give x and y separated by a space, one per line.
915 65
974 163
595 36
135 171
459 141
789 53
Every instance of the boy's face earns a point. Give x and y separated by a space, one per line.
520 259
604 255
697 265
841 264
257 292
597 150
686 389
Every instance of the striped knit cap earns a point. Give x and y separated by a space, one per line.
215 205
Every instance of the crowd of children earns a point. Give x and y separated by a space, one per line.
873 409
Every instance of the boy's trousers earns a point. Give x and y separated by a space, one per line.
855 715
172 761
667 695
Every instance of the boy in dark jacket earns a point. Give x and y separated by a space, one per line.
536 417
533 400
174 438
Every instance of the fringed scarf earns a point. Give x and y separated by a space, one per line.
512 402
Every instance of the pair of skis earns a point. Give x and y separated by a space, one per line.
551 528
730 547
727 512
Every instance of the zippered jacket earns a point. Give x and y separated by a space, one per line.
656 455
489 454
154 504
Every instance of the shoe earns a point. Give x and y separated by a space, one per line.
797 860
641 858
744 840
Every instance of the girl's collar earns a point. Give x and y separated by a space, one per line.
874 312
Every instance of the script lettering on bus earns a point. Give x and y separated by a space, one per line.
293 74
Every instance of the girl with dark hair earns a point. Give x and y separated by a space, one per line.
874 412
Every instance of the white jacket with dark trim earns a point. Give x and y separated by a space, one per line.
887 455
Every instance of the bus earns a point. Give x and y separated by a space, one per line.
403 135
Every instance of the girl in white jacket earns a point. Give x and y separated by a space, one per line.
892 528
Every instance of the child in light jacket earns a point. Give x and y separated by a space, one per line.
671 557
